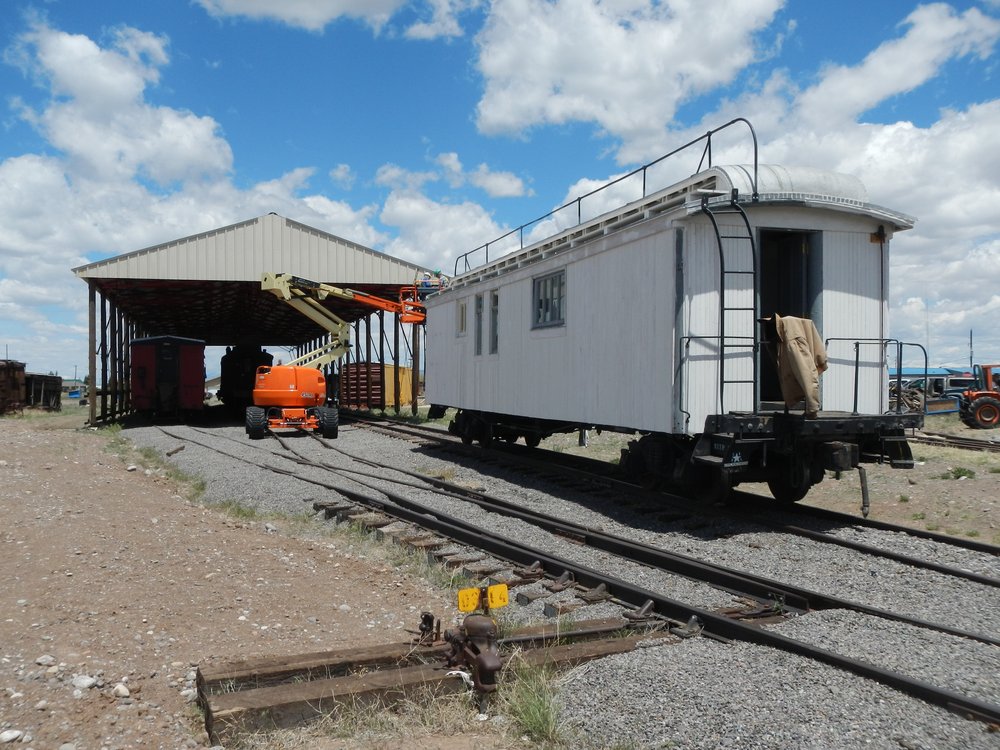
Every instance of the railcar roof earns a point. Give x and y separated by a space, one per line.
775 185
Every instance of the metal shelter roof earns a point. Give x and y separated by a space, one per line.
207 286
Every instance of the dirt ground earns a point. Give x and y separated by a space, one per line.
115 585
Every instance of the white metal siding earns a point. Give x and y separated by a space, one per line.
640 346
244 251
698 328
611 362
853 308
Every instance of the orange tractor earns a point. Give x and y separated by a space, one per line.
980 404
294 395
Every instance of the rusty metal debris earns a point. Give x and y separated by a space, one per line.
274 692
474 647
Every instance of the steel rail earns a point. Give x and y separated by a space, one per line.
639 597
575 464
945 440
758 587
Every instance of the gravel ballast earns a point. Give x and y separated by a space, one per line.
700 693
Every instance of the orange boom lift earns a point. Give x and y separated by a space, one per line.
294 395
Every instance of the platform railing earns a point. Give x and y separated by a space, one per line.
884 345
705 162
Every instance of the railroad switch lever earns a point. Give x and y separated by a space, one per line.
474 646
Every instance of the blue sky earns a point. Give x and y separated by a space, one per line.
423 129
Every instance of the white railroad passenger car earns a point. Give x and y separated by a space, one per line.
655 318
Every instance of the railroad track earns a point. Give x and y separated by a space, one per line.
945 440
767 598
590 475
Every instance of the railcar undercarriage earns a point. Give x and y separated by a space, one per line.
783 449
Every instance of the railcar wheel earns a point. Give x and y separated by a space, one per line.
790 481
329 422
532 441
986 412
717 487
256 422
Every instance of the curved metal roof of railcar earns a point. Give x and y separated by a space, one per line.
776 185
807 186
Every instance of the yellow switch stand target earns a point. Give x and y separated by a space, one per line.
496 596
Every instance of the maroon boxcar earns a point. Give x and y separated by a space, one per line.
167 375
12 391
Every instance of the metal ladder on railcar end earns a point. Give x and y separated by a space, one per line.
741 251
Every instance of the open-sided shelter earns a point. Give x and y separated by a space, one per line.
207 286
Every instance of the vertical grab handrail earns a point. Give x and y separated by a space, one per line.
724 341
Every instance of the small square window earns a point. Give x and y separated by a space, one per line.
549 300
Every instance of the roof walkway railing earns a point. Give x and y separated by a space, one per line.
705 162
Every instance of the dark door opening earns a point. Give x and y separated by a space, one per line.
790 270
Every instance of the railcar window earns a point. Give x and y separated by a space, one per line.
548 298
478 323
460 324
494 321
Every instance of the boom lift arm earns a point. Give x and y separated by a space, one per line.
295 395
306 296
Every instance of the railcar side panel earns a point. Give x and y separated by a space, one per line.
853 308
640 344
608 362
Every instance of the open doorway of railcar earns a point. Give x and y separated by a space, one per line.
790 272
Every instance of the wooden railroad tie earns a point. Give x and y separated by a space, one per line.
280 692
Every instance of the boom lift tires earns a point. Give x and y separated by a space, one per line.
329 422
256 422
295 395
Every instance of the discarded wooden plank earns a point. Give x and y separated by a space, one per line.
299 703
270 670
294 704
